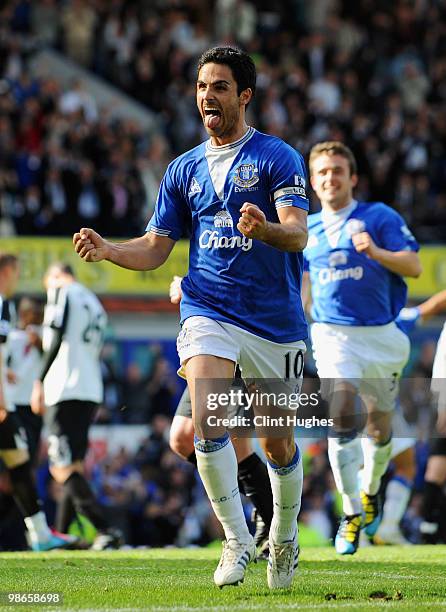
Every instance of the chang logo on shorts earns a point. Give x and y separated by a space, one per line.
331 275
210 239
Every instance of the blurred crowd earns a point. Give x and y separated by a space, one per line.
370 73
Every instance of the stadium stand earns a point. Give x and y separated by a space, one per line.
370 74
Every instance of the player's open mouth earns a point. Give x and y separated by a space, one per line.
212 117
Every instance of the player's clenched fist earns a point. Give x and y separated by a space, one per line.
175 292
363 243
89 245
252 223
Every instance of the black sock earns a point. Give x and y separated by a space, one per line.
65 512
84 501
192 458
433 500
253 475
24 490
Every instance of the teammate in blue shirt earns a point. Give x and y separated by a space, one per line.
242 196
356 256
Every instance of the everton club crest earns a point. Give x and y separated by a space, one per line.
246 175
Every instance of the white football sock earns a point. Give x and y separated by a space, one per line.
217 466
346 460
376 461
397 497
37 528
286 485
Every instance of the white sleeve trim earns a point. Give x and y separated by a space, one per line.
159 231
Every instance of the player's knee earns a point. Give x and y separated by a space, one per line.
62 473
181 438
279 451
347 410
436 470
405 464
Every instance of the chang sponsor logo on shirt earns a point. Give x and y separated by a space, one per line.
331 275
210 239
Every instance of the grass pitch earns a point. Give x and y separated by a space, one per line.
396 578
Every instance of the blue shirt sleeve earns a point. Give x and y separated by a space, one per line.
394 233
169 218
288 178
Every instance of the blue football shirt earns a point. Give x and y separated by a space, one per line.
349 288
232 278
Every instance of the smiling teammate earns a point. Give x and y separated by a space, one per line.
356 256
243 195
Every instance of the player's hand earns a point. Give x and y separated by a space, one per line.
363 243
38 398
441 422
175 292
3 412
90 246
11 376
252 223
34 338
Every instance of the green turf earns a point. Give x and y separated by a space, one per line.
403 578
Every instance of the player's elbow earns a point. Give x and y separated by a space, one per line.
301 238
416 268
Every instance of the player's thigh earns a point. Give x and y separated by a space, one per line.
201 337
208 356
388 352
280 364
338 353
13 442
68 423
32 424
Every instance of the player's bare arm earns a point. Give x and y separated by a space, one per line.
434 305
405 263
144 253
305 292
290 234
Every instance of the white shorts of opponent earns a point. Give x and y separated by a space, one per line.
404 434
370 358
438 385
257 357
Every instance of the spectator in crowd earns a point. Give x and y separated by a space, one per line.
370 76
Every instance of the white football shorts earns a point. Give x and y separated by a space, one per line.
370 358
438 385
257 357
404 434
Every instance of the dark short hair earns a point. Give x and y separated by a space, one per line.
333 147
241 64
62 267
8 259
